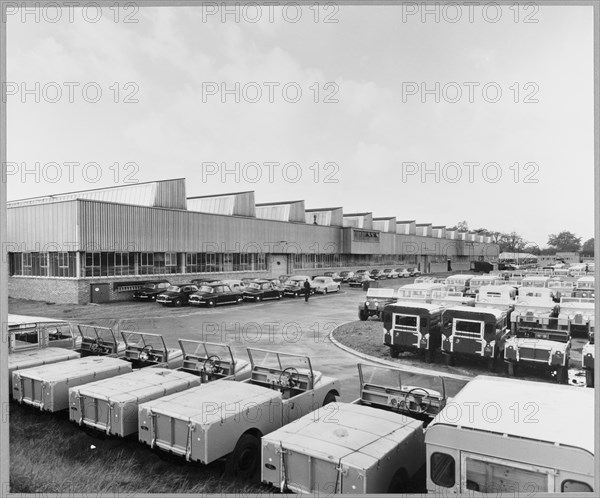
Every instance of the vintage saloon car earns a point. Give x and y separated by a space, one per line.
177 295
345 275
412 326
227 419
335 276
323 285
294 286
403 272
260 290
359 279
373 445
47 387
375 302
474 332
150 290
213 294
111 405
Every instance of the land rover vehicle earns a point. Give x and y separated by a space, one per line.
345 275
46 387
419 292
294 286
447 298
373 445
535 281
111 405
374 303
474 332
587 359
561 288
213 294
585 287
150 290
177 295
323 285
34 341
261 290
477 281
227 419
516 439
540 334
458 283
412 326
99 341
496 296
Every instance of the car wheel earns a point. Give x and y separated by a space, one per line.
210 303
394 352
562 375
449 360
589 378
257 299
177 303
362 315
511 369
295 294
279 296
330 398
238 300
325 290
245 458
339 287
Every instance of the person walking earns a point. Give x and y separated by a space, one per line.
306 290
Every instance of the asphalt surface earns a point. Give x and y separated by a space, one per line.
289 325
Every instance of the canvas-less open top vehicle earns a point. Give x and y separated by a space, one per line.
227 419
111 405
458 283
373 445
477 281
447 298
47 387
99 341
419 291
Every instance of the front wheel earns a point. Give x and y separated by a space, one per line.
238 300
278 297
589 378
394 353
325 290
244 461
296 294
562 375
210 303
511 369
257 299
177 303
362 315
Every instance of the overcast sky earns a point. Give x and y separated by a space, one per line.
371 119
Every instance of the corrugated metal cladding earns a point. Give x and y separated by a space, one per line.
109 227
44 227
293 211
423 230
166 193
326 217
406 228
385 224
238 204
363 221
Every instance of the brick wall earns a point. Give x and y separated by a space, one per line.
53 290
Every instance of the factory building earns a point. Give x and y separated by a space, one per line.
101 245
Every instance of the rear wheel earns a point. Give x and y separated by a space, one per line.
296 294
449 360
238 300
210 303
562 375
243 462
511 369
428 356
278 296
325 290
257 299
589 378
394 352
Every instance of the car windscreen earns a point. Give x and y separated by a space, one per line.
150 286
279 361
394 379
203 350
253 285
141 340
205 288
174 288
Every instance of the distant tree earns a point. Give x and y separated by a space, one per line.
511 242
463 226
588 247
548 251
565 241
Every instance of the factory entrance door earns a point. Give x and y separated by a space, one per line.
279 265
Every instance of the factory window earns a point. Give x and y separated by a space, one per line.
27 263
191 262
122 264
146 263
92 264
43 264
62 264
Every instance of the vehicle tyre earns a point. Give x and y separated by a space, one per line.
278 297
511 369
398 482
330 398
589 378
362 315
394 352
177 303
339 288
325 290
449 360
257 299
562 375
490 364
245 459
239 300
295 294
428 356
210 303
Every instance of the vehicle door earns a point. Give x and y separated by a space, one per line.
267 289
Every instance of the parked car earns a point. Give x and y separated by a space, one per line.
235 285
278 284
374 444
335 276
227 419
211 295
359 280
294 286
284 278
377 274
150 290
403 272
259 290
345 275
414 271
389 273
323 285
205 281
176 295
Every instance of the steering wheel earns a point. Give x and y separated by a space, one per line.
212 365
422 408
286 378
145 353
95 345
